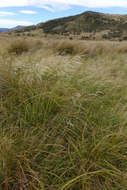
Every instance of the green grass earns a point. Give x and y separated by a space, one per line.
63 130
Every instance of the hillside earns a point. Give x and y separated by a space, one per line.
112 26
86 22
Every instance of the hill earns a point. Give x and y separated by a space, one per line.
17 27
86 22
112 26
9 29
3 29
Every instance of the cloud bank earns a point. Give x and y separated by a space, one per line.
65 3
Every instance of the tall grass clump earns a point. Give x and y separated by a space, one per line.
67 47
18 47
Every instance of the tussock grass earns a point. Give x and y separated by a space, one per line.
90 49
63 127
18 47
66 47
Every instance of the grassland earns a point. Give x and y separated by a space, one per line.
63 114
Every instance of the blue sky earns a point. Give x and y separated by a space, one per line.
28 12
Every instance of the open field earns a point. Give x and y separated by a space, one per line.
63 114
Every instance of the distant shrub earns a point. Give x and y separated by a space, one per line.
105 36
18 34
125 38
84 38
18 47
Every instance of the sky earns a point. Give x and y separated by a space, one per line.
30 12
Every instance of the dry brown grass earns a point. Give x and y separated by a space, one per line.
90 48
18 47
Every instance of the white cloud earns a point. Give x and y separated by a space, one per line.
9 23
28 12
14 3
47 8
60 4
86 3
4 13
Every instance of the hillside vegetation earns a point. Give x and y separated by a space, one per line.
111 26
63 115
